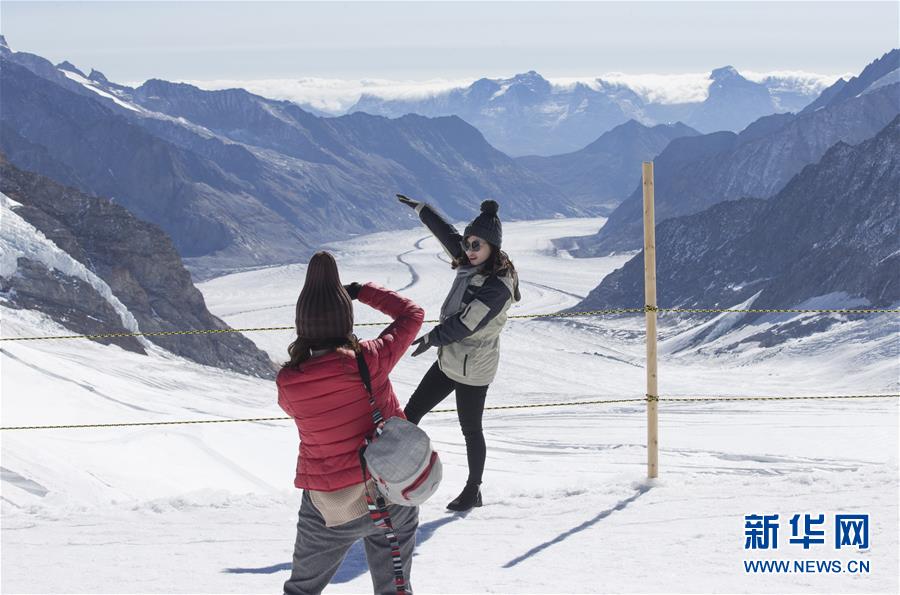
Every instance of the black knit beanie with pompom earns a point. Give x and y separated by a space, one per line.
487 224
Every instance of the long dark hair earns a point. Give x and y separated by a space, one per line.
498 263
324 313
300 350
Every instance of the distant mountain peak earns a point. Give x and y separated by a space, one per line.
889 62
725 73
611 85
844 90
483 81
679 126
728 85
893 54
4 48
161 86
531 75
530 79
97 76
154 82
69 67
631 124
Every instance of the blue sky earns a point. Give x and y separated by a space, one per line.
133 41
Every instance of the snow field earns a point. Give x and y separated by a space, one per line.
211 508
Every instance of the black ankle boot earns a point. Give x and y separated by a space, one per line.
469 498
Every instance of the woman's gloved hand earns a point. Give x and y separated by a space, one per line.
423 345
408 201
353 290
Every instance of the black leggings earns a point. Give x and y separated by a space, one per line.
433 389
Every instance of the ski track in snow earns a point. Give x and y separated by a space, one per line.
211 508
550 288
83 385
413 274
414 279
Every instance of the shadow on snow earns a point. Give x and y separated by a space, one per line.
354 564
585 525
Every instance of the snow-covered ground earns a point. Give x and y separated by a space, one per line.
211 508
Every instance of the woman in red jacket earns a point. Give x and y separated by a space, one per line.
320 387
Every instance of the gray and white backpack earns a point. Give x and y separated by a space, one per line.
399 455
406 469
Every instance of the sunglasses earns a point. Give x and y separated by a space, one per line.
473 246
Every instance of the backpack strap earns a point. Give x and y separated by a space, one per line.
377 506
377 417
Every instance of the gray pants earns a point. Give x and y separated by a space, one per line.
319 550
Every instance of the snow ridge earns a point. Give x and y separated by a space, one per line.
20 238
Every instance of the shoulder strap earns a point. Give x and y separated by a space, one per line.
378 510
377 417
364 371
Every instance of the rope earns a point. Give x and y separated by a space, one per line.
779 310
144 423
539 405
789 398
586 313
518 316
154 334
647 398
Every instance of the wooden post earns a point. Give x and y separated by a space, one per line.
650 299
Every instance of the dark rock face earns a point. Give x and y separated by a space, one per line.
68 300
835 228
66 65
441 159
79 142
683 249
598 177
136 259
694 173
845 90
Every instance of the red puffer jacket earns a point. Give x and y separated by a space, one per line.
329 403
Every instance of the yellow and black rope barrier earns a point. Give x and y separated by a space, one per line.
511 317
491 408
779 310
774 398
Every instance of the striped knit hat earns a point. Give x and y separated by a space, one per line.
324 309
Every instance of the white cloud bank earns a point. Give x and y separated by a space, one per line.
333 95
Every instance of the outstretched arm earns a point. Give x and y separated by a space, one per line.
446 234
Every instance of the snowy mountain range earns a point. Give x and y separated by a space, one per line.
881 72
527 115
96 269
597 177
239 180
833 230
694 173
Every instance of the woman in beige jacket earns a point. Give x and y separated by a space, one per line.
468 336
